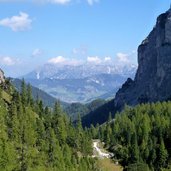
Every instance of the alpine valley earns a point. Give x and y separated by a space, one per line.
109 116
80 83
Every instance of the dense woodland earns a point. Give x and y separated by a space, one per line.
72 110
75 109
99 115
47 99
139 137
36 138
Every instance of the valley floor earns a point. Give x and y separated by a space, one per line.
104 158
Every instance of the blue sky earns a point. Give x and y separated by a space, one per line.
34 32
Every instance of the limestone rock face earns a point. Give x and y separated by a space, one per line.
153 78
2 77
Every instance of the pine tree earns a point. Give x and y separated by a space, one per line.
78 133
29 95
134 149
162 156
32 137
23 92
7 151
13 123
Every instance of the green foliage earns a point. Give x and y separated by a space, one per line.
6 96
36 138
75 109
100 114
140 136
138 167
37 93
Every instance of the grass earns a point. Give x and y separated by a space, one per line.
108 165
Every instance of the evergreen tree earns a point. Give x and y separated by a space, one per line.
23 92
36 138
29 95
162 156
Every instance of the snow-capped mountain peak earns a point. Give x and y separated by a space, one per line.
80 82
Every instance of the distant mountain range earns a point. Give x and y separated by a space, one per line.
80 83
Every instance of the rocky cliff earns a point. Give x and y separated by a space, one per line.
2 77
153 78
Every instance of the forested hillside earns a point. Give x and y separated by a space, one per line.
75 109
35 138
47 99
99 115
72 110
140 137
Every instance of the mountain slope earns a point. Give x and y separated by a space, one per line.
99 115
72 110
75 109
137 134
153 78
37 93
36 138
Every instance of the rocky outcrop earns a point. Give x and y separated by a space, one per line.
153 78
2 77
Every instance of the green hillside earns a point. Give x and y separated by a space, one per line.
47 99
75 109
34 138
140 137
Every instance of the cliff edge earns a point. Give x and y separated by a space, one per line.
153 78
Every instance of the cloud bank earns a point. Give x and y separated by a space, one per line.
94 59
120 59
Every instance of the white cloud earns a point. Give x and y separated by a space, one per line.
36 52
94 59
57 60
107 59
17 23
122 57
91 2
64 61
73 62
8 61
62 2
126 58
